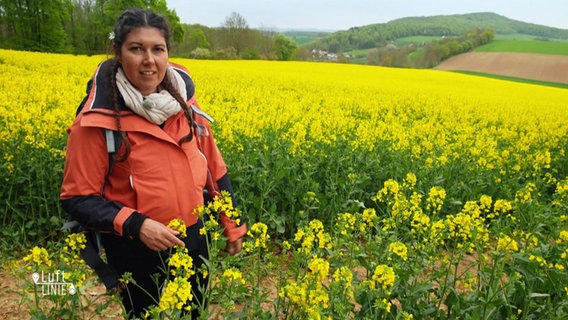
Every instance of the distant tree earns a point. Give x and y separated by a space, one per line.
466 46
334 46
194 38
379 56
236 22
161 7
265 42
197 39
80 29
487 36
236 32
35 25
250 54
303 54
285 47
453 46
434 54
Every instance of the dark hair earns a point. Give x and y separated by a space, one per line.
129 20
138 18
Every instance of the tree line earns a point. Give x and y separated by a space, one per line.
428 54
233 40
83 27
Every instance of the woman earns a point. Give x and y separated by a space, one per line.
165 157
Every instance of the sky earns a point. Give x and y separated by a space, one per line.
332 15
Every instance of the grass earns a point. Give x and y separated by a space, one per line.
521 80
528 46
521 36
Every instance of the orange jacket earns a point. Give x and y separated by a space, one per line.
160 179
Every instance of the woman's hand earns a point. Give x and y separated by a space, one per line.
157 236
234 247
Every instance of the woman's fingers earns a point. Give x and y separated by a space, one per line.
234 247
158 237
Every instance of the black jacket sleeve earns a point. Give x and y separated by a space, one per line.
97 214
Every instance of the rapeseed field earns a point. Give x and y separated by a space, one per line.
370 192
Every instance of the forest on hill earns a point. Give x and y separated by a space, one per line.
380 34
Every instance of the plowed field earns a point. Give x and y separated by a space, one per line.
542 67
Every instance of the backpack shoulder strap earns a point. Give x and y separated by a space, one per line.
113 140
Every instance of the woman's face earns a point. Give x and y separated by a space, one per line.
144 58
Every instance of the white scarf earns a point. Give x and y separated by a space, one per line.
155 107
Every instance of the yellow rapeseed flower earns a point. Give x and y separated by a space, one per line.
38 256
176 296
344 276
563 237
507 244
435 200
258 237
383 277
180 263
399 249
231 275
312 236
179 226
319 269
367 220
345 224
538 259
76 241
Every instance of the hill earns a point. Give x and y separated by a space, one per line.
380 34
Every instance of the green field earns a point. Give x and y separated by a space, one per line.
529 46
537 82
303 37
522 36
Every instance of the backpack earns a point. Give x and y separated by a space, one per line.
92 254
